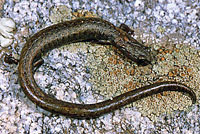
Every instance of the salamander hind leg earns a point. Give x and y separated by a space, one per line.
126 28
37 63
130 32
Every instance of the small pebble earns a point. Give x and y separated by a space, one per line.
7 26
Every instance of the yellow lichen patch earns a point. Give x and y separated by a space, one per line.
189 70
177 50
62 13
170 74
83 13
159 96
113 75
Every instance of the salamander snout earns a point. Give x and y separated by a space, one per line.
140 54
143 62
145 56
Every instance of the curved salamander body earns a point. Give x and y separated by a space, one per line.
86 29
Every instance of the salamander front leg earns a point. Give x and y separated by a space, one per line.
9 59
130 31
38 63
127 29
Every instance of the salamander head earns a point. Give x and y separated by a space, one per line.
138 53
142 55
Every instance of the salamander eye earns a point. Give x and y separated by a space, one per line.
143 62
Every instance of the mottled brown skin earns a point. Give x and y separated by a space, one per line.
86 29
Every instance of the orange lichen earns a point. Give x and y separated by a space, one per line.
189 70
110 59
170 74
115 72
160 50
132 71
182 74
130 83
114 61
159 96
163 53
165 93
166 51
175 72
120 62
177 50
162 59
170 51
127 72
110 73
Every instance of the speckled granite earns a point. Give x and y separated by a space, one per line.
90 73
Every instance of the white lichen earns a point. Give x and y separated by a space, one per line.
7 27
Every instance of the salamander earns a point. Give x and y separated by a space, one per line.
81 30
